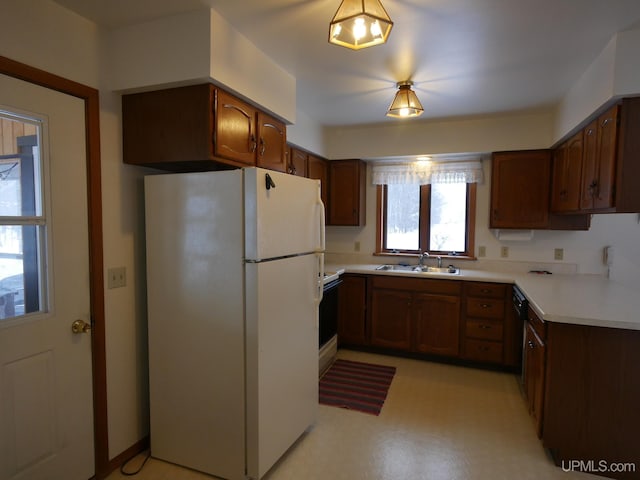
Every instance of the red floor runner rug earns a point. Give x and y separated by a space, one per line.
356 385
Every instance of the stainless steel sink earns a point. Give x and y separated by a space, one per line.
401 268
420 269
451 270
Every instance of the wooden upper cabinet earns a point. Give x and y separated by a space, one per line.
520 189
199 127
318 169
272 143
297 162
520 193
235 129
347 192
605 167
566 176
168 129
599 162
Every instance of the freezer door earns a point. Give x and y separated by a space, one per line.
282 356
284 214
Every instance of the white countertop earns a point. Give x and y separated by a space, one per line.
577 299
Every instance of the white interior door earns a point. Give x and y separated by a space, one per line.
46 405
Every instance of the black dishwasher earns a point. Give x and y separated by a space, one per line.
328 313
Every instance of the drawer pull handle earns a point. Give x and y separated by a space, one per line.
484 327
485 290
485 305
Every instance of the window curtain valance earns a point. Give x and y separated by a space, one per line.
422 173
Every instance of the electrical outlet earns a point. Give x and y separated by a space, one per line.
504 252
558 253
482 251
116 277
356 246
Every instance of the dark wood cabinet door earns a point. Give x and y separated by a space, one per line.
352 301
297 162
592 393
272 143
235 133
436 321
391 319
599 162
347 193
607 150
534 375
520 189
318 170
567 175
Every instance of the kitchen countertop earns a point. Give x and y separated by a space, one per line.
576 299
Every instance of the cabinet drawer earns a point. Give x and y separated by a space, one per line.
484 329
480 307
483 351
489 290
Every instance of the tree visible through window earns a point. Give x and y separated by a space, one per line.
436 218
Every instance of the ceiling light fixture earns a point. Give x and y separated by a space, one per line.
405 103
359 24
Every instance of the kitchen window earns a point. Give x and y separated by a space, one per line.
427 208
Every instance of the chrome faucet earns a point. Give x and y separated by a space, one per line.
439 258
422 258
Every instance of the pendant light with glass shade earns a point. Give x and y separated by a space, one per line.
359 24
405 104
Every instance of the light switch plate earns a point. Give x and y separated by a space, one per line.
558 253
504 252
116 277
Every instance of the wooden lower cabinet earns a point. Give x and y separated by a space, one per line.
391 319
492 335
592 397
436 324
534 375
352 307
416 315
452 319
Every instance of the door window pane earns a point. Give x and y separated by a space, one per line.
448 217
22 225
403 217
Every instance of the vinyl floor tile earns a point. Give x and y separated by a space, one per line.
439 422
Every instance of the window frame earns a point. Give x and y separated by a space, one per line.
424 224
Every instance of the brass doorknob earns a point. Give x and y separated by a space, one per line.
80 326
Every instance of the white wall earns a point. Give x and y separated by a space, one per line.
42 34
196 47
466 135
307 133
615 72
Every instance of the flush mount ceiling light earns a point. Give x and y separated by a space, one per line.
359 24
405 103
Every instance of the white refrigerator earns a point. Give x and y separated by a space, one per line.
234 279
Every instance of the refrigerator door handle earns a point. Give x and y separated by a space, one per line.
321 219
320 282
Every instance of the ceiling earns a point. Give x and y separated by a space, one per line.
465 57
